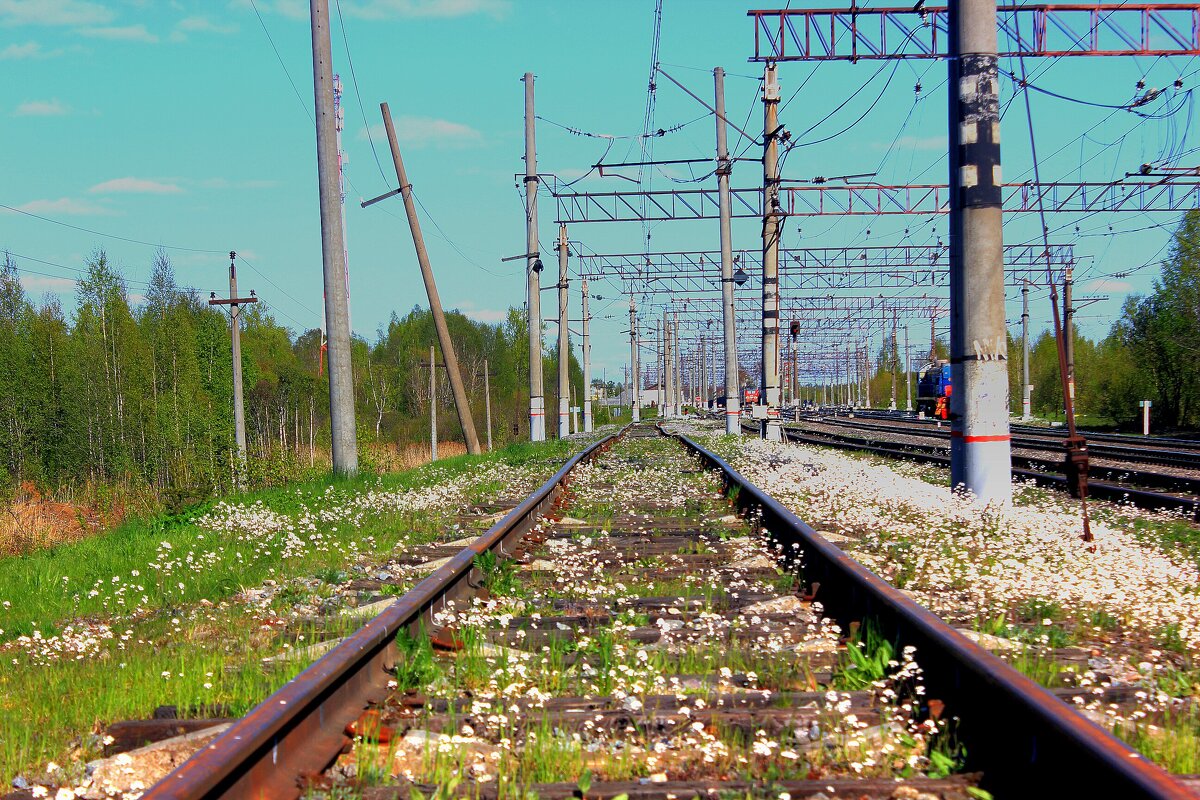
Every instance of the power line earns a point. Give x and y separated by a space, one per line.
357 94
280 59
109 235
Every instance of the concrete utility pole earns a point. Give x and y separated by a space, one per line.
660 363
676 358
333 263
343 160
235 330
702 366
733 399
932 339
667 360
587 364
564 344
461 403
1069 331
772 219
1026 389
635 370
893 357
432 406
487 401
980 454
907 372
537 400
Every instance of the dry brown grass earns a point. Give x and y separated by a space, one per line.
394 458
32 521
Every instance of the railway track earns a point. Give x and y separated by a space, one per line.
650 624
1142 488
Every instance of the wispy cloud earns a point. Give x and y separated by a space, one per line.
41 108
389 9
225 183
64 205
189 25
124 33
427 131
1109 285
20 52
132 185
410 9
45 283
53 12
488 315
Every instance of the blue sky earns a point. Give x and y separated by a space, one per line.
175 123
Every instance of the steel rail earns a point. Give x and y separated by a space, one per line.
300 729
1026 741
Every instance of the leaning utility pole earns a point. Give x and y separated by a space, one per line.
235 330
635 368
461 403
564 346
333 262
587 364
980 454
772 217
537 400
733 399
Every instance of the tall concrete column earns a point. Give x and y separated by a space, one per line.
907 372
772 219
1026 410
980 455
733 398
564 345
533 293
587 364
660 363
333 261
635 384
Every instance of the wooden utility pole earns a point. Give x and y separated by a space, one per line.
333 250
461 403
733 397
235 330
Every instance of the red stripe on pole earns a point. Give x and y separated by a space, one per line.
959 435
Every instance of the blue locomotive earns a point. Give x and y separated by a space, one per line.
933 390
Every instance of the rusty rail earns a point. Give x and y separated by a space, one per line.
300 729
1026 741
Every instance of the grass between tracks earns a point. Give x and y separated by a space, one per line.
181 610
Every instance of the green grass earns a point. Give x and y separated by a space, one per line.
191 646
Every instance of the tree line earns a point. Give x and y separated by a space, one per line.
139 395
1151 352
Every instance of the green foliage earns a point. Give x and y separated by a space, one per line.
866 659
140 396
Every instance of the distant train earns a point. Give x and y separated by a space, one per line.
933 390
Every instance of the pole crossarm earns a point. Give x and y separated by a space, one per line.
920 32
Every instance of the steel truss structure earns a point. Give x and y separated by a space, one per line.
1175 193
813 268
917 32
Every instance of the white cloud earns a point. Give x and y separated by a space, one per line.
293 9
1108 285
53 12
63 205
45 283
389 9
126 33
199 25
488 315
17 52
132 185
424 131
41 108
